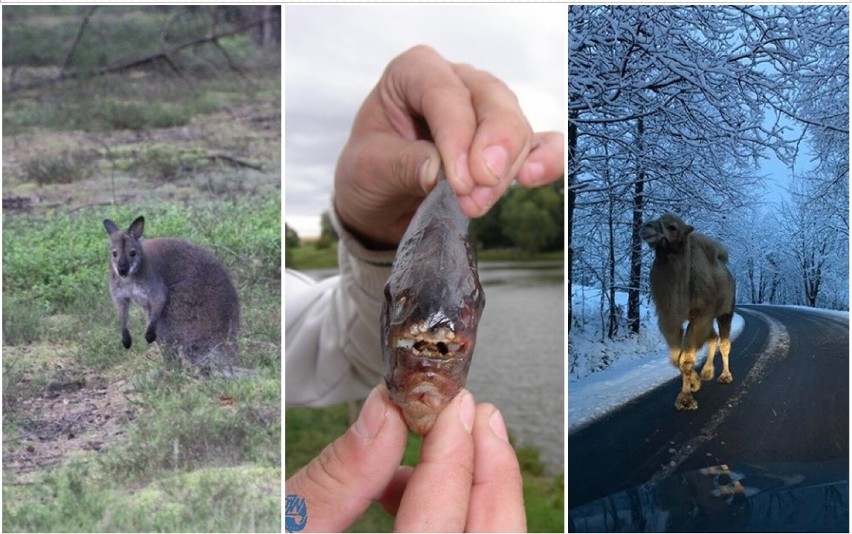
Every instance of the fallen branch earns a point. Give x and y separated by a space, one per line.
162 55
234 161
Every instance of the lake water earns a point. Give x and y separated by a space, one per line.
519 362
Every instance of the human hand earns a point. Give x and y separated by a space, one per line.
425 111
450 490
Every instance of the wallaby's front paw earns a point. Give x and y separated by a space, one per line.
125 338
150 335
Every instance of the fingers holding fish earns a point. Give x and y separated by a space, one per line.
379 182
468 474
424 98
503 135
546 160
444 475
355 469
497 495
543 164
426 112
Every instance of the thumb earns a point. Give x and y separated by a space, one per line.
398 167
340 483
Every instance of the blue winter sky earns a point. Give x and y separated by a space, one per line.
334 55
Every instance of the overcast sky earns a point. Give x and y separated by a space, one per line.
334 55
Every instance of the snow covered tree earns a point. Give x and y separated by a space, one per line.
677 105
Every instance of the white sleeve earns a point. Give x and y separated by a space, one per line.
332 339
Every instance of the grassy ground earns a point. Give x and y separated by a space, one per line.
107 431
96 437
309 430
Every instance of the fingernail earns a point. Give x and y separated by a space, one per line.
463 173
371 417
498 426
496 158
427 175
467 411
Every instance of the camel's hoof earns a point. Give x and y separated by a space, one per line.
725 378
685 401
707 373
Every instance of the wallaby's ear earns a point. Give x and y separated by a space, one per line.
110 226
137 227
689 229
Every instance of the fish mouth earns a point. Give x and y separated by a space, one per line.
423 341
425 368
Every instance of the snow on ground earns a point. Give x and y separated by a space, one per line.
633 365
840 314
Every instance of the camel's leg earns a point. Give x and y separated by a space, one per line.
674 356
673 332
697 333
709 369
725 347
691 382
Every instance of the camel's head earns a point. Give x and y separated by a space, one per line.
668 233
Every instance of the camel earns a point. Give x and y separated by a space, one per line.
690 281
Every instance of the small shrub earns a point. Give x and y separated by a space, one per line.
163 163
63 168
22 321
141 115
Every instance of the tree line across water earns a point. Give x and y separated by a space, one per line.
526 221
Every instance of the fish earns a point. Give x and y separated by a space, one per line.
433 301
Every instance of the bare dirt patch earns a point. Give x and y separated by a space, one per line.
86 414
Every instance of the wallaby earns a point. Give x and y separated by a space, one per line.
192 306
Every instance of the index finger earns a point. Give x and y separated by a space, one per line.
422 81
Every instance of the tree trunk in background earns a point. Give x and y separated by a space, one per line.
613 319
572 174
635 242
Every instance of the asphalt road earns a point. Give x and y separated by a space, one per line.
789 402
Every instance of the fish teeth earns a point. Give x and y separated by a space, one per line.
404 343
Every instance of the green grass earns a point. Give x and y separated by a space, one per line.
308 256
114 103
59 257
193 454
215 499
309 430
42 35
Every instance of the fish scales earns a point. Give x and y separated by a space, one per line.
433 302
